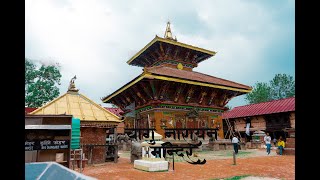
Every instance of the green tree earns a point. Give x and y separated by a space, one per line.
261 93
41 83
281 86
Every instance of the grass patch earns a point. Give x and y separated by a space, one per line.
232 178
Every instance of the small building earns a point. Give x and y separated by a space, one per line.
47 138
95 121
274 117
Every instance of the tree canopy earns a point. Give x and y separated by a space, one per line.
41 83
281 86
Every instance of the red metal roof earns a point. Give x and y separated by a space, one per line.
28 110
270 107
195 76
115 111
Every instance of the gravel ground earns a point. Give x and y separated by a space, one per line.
256 164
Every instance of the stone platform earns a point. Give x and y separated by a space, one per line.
151 166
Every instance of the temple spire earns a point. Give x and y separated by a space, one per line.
168 33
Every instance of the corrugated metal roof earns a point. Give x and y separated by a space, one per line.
28 110
78 105
115 111
270 107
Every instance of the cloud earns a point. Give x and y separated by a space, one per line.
94 39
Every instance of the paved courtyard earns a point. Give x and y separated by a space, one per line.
252 163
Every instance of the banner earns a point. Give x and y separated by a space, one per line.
46 144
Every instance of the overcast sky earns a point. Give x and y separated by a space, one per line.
93 40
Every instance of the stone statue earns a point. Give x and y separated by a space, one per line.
123 137
195 138
72 86
136 151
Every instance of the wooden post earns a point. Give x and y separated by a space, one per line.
91 147
73 161
173 161
115 156
234 158
115 153
80 160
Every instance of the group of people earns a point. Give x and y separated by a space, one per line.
267 140
280 143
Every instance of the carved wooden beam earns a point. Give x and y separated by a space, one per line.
222 100
154 56
178 91
146 90
193 59
134 96
202 95
163 89
228 97
138 93
212 95
117 102
167 51
176 52
189 93
124 100
153 89
144 63
161 49
148 62
187 56
158 53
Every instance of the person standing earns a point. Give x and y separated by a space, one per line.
235 142
281 145
267 141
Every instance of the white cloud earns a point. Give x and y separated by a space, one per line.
94 39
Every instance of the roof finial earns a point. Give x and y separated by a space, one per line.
72 86
168 33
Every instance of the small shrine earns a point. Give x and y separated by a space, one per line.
150 162
148 148
94 122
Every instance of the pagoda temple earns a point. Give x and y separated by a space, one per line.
169 94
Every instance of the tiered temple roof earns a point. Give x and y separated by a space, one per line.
168 76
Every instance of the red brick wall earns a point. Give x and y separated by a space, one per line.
290 143
257 122
92 135
120 128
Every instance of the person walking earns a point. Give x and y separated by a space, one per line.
267 141
281 145
235 142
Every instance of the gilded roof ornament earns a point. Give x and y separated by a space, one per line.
72 86
168 33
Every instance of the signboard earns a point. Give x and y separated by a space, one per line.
46 144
